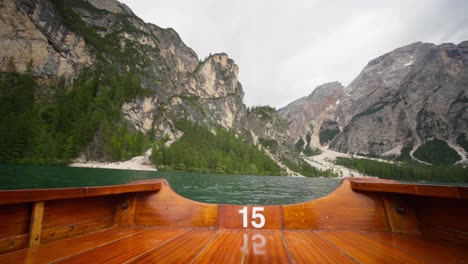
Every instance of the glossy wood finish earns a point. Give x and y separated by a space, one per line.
400 214
14 227
125 210
266 247
179 245
77 210
227 247
442 218
182 249
65 231
15 219
342 209
428 250
23 196
127 248
230 218
167 208
12 243
366 250
71 246
308 247
344 227
460 192
35 228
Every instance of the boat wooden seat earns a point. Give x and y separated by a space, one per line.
362 221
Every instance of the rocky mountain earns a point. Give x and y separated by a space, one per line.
312 118
269 129
107 80
61 38
406 98
404 102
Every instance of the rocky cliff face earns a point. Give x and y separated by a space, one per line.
306 115
405 98
402 100
266 127
32 32
212 93
61 38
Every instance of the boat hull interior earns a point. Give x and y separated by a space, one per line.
362 221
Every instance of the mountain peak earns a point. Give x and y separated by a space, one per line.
112 6
325 90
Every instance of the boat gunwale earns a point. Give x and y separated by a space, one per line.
47 194
358 184
432 190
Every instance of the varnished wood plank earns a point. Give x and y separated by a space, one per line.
125 211
71 211
463 192
230 218
35 227
75 229
308 247
405 221
366 250
266 247
13 243
450 213
14 226
167 208
68 247
430 250
342 209
445 234
182 249
31 195
414 189
15 219
127 248
227 247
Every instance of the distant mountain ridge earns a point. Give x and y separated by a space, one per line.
413 96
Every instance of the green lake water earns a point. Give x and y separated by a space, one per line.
209 188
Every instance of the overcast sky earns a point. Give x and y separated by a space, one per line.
285 49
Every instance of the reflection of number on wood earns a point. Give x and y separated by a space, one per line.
258 244
255 215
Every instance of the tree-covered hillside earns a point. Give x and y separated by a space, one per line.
406 171
215 150
58 128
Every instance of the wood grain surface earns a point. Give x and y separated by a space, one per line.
266 247
230 218
182 249
127 248
35 227
227 247
167 208
308 247
68 247
442 191
367 250
342 209
400 214
180 245
31 195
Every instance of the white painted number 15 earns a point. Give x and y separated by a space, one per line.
255 215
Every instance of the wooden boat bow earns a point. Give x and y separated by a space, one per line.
363 220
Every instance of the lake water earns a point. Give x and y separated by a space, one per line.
209 188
